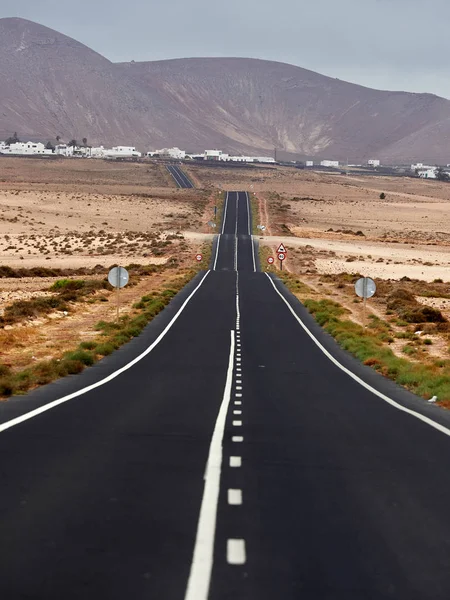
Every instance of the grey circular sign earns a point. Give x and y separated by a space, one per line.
118 277
365 287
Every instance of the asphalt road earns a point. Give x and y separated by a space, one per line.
180 177
242 456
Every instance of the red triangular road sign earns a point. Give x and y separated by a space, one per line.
282 249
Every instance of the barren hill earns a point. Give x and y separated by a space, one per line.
52 85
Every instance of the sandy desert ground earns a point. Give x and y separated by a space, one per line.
334 220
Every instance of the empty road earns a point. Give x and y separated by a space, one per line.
180 177
231 451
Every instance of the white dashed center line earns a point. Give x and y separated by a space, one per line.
235 461
235 497
237 423
237 438
237 412
236 552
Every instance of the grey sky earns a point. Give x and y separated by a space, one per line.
386 44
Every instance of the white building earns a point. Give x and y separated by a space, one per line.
330 163
373 162
427 173
122 152
64 150
309 163
213 154
174 153
26 148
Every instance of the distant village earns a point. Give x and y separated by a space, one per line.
15 147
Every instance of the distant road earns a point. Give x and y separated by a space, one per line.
231 451
180 177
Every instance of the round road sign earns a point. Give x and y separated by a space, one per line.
281 256
118 277
199 257
365 287
271 260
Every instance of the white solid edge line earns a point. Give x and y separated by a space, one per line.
248 214
202 562
225 213
393 403
54 403
174 176
250 233
217 251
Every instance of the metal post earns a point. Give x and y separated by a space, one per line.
281 265
365 297
118 291
364 313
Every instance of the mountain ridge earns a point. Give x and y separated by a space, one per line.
51 84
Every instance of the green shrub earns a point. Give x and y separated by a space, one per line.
88 345
104 349
86 358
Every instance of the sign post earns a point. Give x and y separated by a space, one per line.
365 288
118 277
281 251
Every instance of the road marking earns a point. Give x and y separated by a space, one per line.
238 312
217 252
85 390
237 438
236 552
225 213
235 497
238 402
239 395
238 360
237 412
393 403
250 233
238 380
248 213
237 423
237 203
239 387
175 175
202 562
235 461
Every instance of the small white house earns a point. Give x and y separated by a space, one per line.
330 163
427 173
174 153
373 162
122 152
309 163
264 159
213 154
26 148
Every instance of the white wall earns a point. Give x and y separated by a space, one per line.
26 148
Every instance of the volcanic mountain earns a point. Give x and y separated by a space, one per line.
53 85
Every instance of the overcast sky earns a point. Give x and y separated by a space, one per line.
386 44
